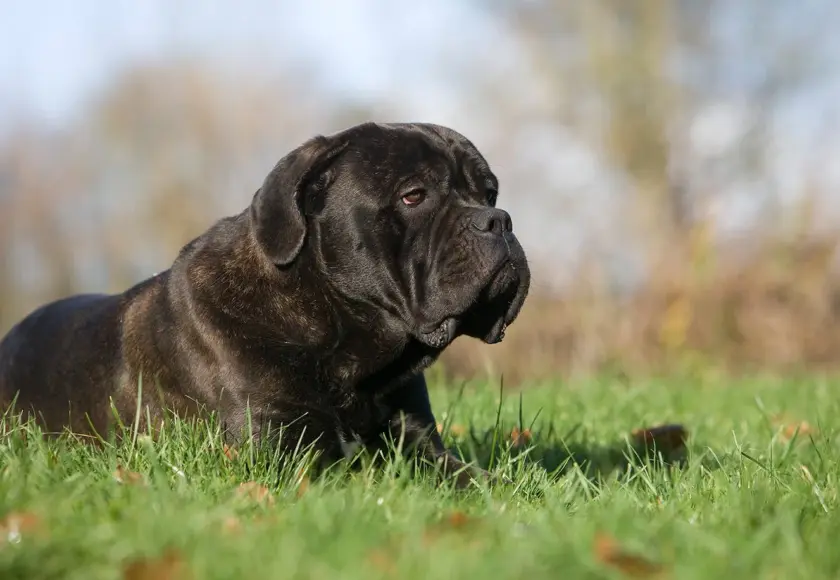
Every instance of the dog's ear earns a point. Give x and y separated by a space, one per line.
277 210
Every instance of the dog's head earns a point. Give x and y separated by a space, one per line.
402 217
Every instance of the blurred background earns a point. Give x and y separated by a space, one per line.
672 166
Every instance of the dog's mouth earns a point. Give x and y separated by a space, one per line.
497 332
487 317
496 308
447 331
440 335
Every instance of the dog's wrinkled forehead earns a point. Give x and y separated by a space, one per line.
391 152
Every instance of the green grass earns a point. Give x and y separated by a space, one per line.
746 503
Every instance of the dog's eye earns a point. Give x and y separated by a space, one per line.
414 197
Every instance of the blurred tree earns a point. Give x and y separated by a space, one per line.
164 151
631 78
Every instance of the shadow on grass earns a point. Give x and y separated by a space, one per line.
545 450
511 449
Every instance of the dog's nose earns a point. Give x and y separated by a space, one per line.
492 220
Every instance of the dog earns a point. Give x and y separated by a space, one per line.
361 257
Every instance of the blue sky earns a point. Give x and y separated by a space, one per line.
57 53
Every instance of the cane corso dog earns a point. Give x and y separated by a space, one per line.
360 258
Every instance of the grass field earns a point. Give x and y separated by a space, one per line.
755 497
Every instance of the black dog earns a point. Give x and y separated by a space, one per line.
361 257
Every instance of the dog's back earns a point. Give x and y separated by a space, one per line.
35 368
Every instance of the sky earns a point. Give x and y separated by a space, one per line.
55 54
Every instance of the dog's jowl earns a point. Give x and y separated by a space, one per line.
359 259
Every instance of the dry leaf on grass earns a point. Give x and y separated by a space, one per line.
454 522
792 428
231 525
234 525
123 475
15 525
269 519
457 520
608 552
382 561
520 438
230 452
169 567
665 438
454 429
255 492
303 485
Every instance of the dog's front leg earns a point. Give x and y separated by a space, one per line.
292 427
414 423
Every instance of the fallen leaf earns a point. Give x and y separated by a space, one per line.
456 521
17 524
800 429
303 486
230 452
454 429
457 430
256 492
665 438
231 525
169 567
123 475
520 438
270 519
382 561
608 552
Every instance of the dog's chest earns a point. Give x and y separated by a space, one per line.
361 421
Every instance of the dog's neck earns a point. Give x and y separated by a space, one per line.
330 326
349 353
